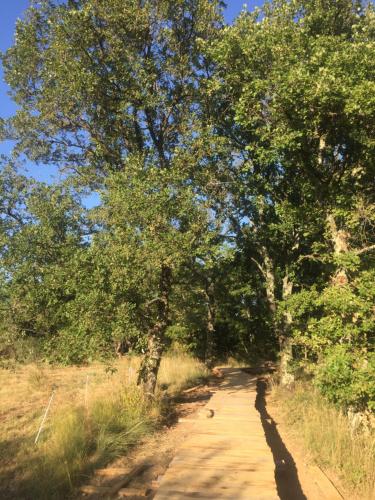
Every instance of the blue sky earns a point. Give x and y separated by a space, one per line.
10 10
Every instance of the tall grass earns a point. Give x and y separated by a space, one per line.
180 371
97 414
81 439
325 432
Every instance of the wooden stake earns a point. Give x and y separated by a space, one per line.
44 416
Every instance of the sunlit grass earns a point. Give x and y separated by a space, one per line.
326 435
96 414
179 371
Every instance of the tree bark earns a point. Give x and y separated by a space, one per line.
340 241
269 277
210 326
149 369
286 350
287 292
267 270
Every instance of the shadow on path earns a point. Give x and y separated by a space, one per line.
286 476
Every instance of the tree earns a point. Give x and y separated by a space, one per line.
43 232
153 227
235 174
100 83
299 78
295 82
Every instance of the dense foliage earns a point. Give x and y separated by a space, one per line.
236 178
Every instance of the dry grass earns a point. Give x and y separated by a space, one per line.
235 363
96 414
179 371
325 433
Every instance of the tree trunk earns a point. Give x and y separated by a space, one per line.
286 350
149 369
210 326
267 270
269 278
287 292
340 241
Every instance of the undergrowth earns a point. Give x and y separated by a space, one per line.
326 434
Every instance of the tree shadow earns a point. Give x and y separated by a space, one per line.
286 475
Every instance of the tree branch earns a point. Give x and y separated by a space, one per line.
259 266
365 250
154 301
310 256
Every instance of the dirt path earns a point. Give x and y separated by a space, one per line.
226 455
235 451
227 444
155 451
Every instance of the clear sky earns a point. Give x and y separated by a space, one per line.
10 10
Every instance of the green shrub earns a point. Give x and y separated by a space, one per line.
336 314
77 346
347 378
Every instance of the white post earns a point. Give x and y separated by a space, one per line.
86 387
44 416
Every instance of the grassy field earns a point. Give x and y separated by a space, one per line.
326 435
96 413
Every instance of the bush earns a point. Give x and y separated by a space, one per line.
75 346
347 378
335 314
